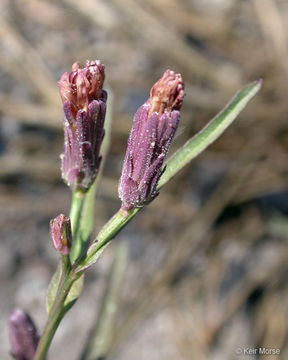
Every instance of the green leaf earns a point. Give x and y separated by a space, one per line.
103 330
52 288
74 293
210 132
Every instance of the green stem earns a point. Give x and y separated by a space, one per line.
77 203
107 233
76 207
66 280
56 312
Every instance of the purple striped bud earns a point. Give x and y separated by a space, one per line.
84 108
60 232
153 129
23 335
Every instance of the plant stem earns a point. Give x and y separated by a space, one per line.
56 312
107 233
77 204
76 207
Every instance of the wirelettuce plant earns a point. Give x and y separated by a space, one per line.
144 174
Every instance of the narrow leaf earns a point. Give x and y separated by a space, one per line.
210 132
74 293
52 288
101 334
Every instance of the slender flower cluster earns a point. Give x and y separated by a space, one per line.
60 232
23 335
84 108
153 129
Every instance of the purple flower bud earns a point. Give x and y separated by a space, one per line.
153 129
84 108
23 335
60 232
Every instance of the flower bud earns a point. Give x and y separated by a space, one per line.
154 126
60 232
84 108
23 335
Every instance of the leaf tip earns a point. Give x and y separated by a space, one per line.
259 82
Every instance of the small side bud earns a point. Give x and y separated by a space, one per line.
154 126
23 335
60 232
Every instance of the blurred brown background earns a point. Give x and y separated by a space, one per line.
207 270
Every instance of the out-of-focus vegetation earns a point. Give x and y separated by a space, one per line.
207 269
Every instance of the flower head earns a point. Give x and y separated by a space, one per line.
23 335
60 232
154 126
84 108
167 93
